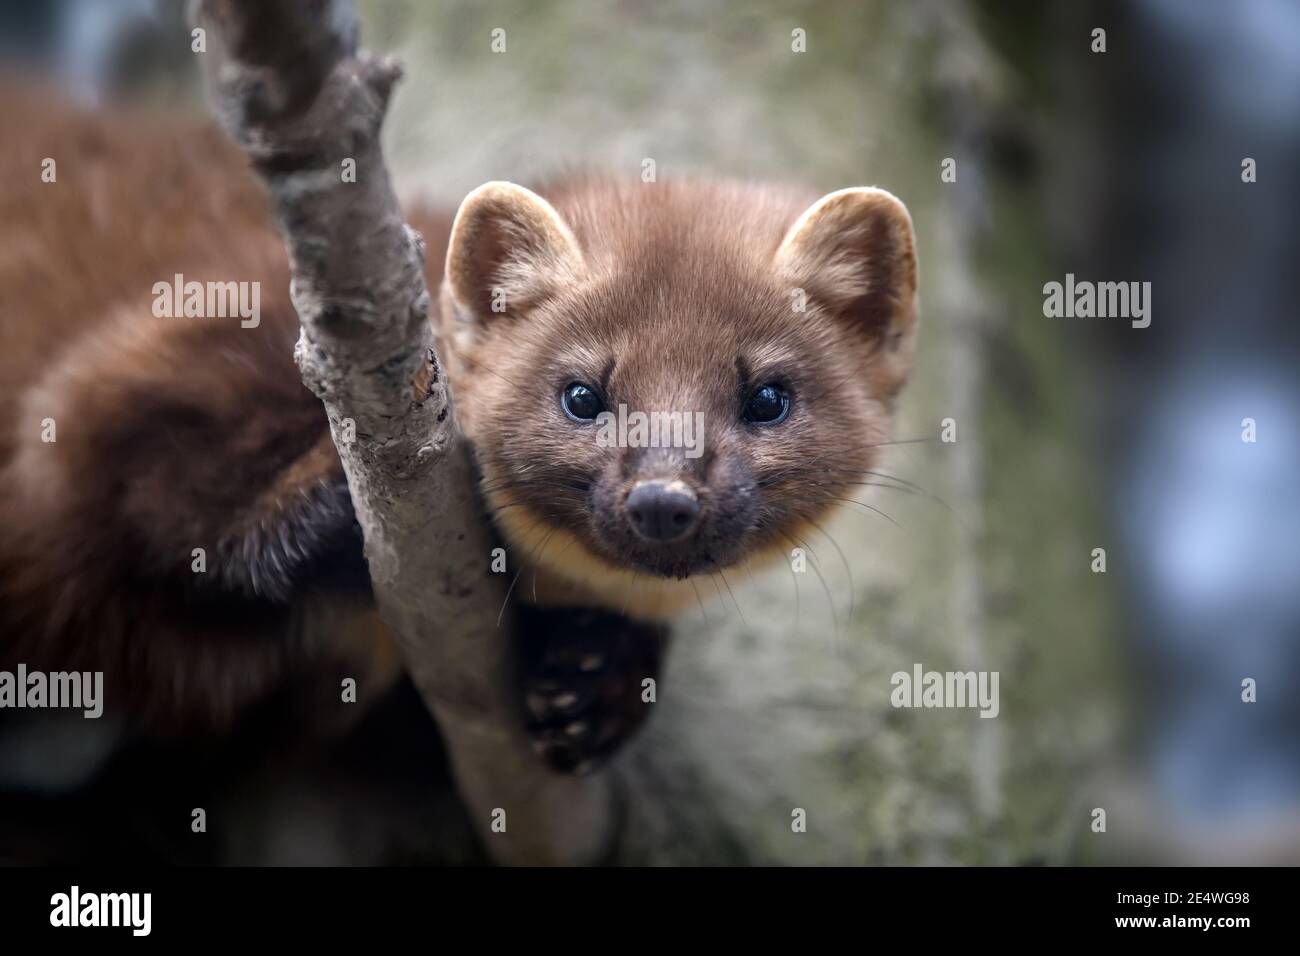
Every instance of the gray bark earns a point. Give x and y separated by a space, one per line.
295 91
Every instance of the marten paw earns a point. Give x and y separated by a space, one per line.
582 672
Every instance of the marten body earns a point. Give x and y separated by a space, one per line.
730 301
170 434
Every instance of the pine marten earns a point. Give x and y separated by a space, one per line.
782 324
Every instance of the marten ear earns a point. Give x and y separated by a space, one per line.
509 249
853 252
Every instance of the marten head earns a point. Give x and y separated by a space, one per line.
663 380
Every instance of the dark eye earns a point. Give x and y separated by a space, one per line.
767 405
580 402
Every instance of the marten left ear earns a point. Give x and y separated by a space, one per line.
853 252
509 248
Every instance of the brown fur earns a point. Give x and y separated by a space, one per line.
172 434
676 291
175 434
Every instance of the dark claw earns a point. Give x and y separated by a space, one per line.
581 671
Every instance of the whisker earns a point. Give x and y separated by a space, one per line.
509 591
562 550
449 346
514 580
799 543
636 573
723 575
554 483
843 560
863 504
700 601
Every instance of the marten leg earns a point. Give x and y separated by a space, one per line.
582 672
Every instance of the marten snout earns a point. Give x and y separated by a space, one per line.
662 510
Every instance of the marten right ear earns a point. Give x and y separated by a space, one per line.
854 251
509 249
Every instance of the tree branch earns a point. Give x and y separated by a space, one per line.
289 83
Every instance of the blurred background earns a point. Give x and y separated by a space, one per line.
1120 690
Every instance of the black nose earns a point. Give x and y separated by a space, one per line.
663 510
